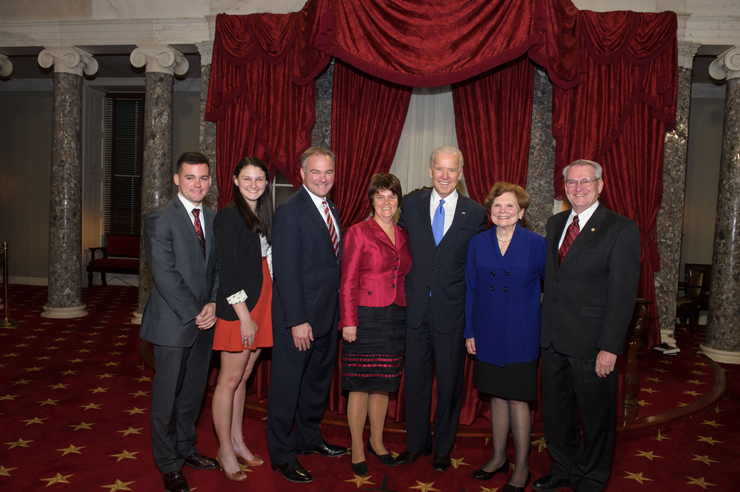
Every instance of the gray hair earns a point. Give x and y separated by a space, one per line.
583 162
446 150
317 151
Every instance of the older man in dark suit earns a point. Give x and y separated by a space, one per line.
307 251
440 223
180 249
593 265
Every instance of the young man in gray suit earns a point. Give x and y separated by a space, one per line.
180 249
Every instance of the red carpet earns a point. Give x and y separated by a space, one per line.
74 415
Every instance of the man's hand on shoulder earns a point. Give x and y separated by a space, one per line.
605 363
302 336
207 317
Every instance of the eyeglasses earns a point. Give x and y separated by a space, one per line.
585 182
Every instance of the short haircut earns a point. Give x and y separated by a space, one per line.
446 150
192 158
583 162
317 151
383 181
522 197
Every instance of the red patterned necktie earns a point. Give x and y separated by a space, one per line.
199 232
332 230
570 236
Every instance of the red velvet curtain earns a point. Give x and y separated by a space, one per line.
367 118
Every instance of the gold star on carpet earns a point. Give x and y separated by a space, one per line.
65 331
60 339
69 372
119 344
111 364
32 369
94 333
484 489
83 351
8 397
82 425
665 362
98 390
58 386
649 390
712 423
121 336
39 329
74 361
120 486
20 381
692 393
48 401
699 373
31 336
360 481
35 420
43 357
702 364
53 347
71 449
22 345
637 476
700 482
20 443
682 404
91 406
458 462
5 472
140 393
660 370
143 379
114 353
540 443
131 430
12 354
708 439
694 381
424 487
2 366
642 403
660 436
105 376
394 454
88 341
703 459
125 455
135 410
647 454
58 478
717 410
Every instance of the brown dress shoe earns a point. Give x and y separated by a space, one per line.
175 482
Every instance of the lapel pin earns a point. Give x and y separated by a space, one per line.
463 213
593 229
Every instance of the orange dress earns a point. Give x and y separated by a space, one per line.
228 335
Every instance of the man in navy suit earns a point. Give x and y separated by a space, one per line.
178 317
307 252
440 223
592 270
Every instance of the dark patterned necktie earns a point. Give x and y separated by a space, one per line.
199 232
570 236
332 230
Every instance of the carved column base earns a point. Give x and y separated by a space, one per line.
64 313
723 356
136 320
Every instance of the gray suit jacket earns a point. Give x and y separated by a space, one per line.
183 281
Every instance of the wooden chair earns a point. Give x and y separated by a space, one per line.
696 283
120 255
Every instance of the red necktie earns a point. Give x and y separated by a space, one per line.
570 236
199 232
332 231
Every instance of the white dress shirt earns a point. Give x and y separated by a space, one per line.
583 218
450 205
318 202
190 207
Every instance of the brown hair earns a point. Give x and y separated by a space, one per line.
383 181
522 197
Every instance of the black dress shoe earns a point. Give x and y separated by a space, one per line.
294 472
407 457
175 482
481 474
548 483
360 469
200 462
513 488
441 463
385 459
326 449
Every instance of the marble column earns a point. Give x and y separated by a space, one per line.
722 342
207 138
65 203
670 215
6 68
321 134
541 156
162 62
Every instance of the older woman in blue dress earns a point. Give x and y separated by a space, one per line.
504 268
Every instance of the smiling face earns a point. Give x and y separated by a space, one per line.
582 197
193 182
445 173
318 175
385 204
505 210
251 183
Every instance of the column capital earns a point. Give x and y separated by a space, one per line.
686 53
727 65
68 59
6 68
206 52
159 58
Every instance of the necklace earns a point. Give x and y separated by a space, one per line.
503 240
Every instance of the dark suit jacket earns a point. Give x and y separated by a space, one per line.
239 253
306 273
183 281
438 268
590 298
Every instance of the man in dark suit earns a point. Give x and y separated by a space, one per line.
592 269
307 252
440 223
180 249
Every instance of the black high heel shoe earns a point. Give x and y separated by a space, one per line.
511 488
360 469
385 459
481 474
